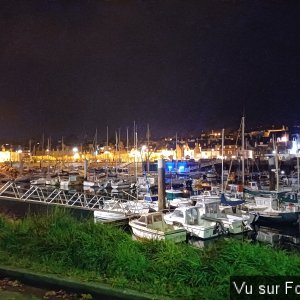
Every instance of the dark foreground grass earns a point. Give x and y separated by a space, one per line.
62 245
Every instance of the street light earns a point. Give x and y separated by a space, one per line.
76 154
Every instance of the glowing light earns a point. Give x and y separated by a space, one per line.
167 153
76 156
75 149
4 156
181 168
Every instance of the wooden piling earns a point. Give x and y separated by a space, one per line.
161 185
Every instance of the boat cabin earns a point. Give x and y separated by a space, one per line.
268 200
235 188
153 221
189 216
253 185
209 208
289 198
192 215
172 194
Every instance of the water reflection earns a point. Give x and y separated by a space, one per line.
199 243
286 238
279 236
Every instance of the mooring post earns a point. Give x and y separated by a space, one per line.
161 185
85 167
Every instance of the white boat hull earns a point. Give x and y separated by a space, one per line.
176 236
39 181
207 231
120 186
202 232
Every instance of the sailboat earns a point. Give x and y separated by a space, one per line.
228 200
276 207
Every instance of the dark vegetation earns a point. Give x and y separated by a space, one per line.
60 244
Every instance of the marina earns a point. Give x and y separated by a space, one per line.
122 198
149 150
194 210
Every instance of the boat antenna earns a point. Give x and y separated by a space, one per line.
222 179
243 150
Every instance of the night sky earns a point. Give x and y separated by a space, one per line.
69 67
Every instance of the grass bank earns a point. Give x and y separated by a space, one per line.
60 244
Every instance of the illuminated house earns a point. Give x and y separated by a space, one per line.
6 156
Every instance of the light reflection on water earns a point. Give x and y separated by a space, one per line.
286 237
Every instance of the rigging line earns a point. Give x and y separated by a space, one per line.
236 142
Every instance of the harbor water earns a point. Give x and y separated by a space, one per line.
287 237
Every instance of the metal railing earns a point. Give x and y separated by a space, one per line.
43 195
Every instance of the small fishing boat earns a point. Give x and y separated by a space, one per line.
179 202
152 226
117 218
276 208
71 180
23 178
38 181
234 224
211 175
52 180
191 219
173 193
120 184
129 207
205 196
93 184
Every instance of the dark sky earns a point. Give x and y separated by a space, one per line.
68 67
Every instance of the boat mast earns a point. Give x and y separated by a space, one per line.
127 140
107 151
276 164
176 165
135 172
222 178
48 151
95 143
136 163
243 150
148 137
107 136
116 151
119 140
298 171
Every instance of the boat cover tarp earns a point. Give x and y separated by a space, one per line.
224 201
